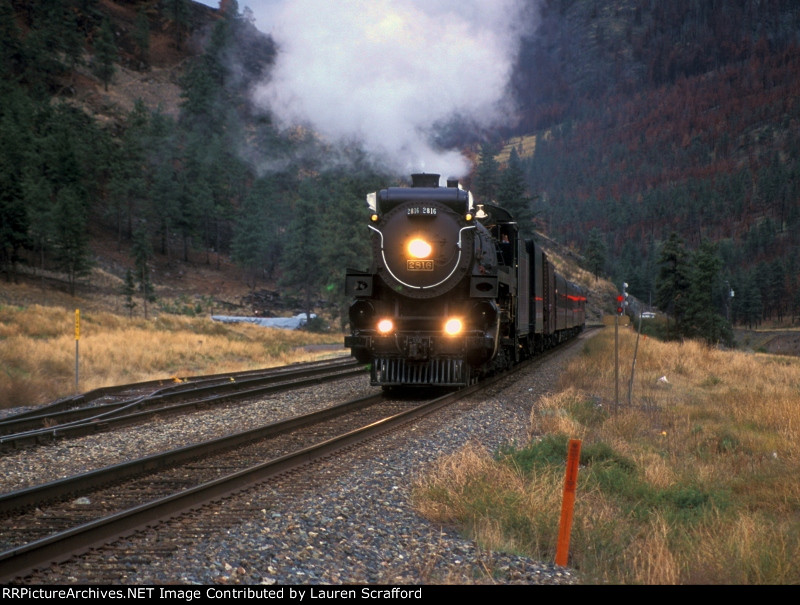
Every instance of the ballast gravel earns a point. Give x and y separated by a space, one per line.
347 521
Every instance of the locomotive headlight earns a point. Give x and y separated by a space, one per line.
385 326
453 326
419 248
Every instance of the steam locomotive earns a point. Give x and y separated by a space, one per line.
453 293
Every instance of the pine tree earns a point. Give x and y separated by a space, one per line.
38 195
163 194
302 270
177 12
702 317
142 253
256 244
71 237
128 291
748 302
596 251
778 293
15 146
512 194
487 176
11 56
128 185
349 243
673 280
105 54
141 37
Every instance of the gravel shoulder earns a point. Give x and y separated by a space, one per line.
349 521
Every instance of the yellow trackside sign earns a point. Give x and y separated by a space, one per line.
77 324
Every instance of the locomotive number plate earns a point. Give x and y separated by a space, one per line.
420 265
421 211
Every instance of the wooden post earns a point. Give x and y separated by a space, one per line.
568 502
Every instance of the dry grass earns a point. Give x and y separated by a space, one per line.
37 355
697 481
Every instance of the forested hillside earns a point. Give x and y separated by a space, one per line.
660 117
642 120
205 177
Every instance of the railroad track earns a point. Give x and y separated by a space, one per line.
84 514
93 509
113 407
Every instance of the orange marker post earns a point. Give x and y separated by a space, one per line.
77 338
568 503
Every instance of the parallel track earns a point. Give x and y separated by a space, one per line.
141 402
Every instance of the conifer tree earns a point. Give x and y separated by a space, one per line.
512 194
128 291
11 57
127 187
105 54
702 317
596 252
71 238
14 147
673 280
349 243
487 176
142 253
302 270
749 302
141 37
177 12
256 244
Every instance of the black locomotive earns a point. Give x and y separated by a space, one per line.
453 292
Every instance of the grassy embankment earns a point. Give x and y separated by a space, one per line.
37 350
696 482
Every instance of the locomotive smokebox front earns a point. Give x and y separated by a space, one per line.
423 250
423 239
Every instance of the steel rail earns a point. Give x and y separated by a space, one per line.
69 486
59 547
229 390
69 402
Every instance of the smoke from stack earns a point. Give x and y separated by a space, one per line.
386 72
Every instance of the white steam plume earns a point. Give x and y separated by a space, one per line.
384 72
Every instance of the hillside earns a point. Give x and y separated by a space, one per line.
154 78
634 120
649 119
